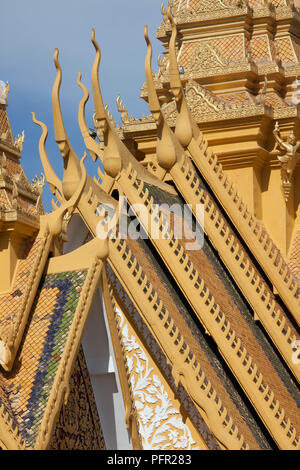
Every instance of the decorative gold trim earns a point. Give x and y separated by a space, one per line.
10 438
60 388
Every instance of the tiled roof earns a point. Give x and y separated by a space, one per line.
229 47
236 98
10 303
285 51
232 304
259 49
186 53
196 340
27 195
275 100
30 382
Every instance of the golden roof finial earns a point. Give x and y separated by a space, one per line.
112 161
90 143
152 95
54 182
122 109
184 127
72 170
59 128
165 149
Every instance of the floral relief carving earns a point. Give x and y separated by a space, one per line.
160 423
160 359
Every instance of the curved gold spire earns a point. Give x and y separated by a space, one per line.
51 177
154 104
112 161
100 112
183 128
59 128
72 171
90 143
165 149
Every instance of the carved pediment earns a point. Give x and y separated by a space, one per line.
215 5
210 8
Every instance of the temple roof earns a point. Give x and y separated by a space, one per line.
203 337
16 192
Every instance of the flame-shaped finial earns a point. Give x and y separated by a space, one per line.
184 126
112 160
54 182
72 170
152 96
90 143
165 149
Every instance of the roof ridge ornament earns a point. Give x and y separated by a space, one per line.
184 127
54 182
165 149
90 143
112 160
72 171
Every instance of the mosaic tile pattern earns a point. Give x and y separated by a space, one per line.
232 303
296 46
186 53
10 303
236 98
273 99
285 51
229 47
29 383
260 49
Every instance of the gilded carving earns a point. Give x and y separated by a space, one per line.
78 426
19 141
288 159
160 423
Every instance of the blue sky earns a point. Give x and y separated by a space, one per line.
32 29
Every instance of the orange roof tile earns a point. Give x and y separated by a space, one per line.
285 51
259 49
186 53
236 98
229 47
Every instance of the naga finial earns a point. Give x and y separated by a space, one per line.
72 169
59 128
112 161
90 143
184 127
165 149
154 104
122 109
54 182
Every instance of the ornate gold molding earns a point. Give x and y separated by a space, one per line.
92 253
